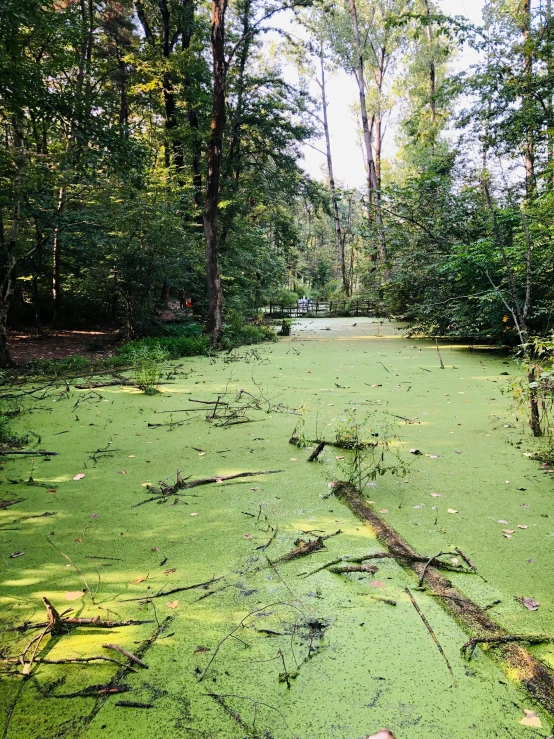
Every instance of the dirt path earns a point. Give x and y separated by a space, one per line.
353 661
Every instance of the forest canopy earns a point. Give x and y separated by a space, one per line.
152 147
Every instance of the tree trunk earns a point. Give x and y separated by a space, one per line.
528 101
56 256
10 243
336 215
189 96
214 319
549 103
432 77
373 191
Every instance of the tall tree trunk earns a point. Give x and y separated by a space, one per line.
56 257
336 215
550 106
214 319
528 101
9 244
232 166
189 96
80 113
373 191
432 77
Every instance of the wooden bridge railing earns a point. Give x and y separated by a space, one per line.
320 308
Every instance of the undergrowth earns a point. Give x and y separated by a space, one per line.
186 340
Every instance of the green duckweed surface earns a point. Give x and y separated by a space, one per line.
354 662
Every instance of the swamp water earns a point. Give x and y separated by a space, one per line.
318 657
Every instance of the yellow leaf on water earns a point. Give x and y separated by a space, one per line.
452 510
73 594
146 484
173 604
139 579
530 719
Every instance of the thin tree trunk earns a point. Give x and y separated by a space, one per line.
188 23
373 191
336 215
528 103
550 106
214 319
519 316
432 77
9 243
80 113
56 257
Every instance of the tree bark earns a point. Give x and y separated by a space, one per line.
9 243
373 190
188 20
214 319
336 215
432 77
528 101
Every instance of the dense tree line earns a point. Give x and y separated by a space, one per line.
155 145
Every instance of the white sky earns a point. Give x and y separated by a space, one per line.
342 92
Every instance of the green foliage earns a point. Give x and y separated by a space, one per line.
172 347
285 327
537 382
148 364
370 451
237 333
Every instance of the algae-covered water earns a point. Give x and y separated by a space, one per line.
223 652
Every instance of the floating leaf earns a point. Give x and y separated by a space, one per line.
146 484
79 476
248 536
200 649
507 536
52 491
131 456
452 510
193 514
139 579
293 459
434 456
415 451
170 572
522 526
123 472
94 515
501 520
378 584
74 594
173 604
16 554
435 495
509 531
384 511
339 457
530 604
530 719
155 549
